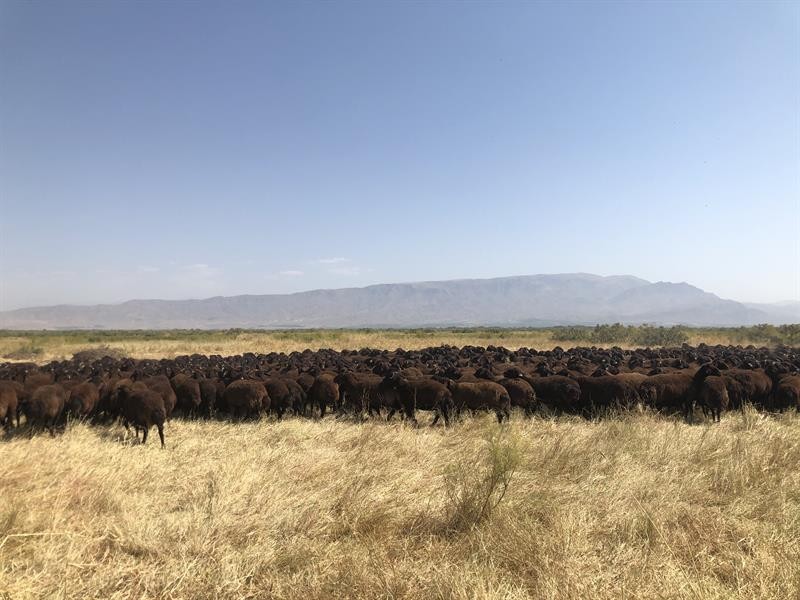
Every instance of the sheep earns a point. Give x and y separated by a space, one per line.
246 397
45 407
483 395
83 399
10 391
142 407
324 393
188 397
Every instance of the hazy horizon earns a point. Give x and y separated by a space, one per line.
174 151
776 303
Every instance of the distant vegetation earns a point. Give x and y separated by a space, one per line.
27 351
622 334
41 346
645 335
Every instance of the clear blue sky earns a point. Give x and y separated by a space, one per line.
173 150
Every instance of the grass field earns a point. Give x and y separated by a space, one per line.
46 346
635 507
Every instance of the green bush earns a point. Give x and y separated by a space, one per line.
643 335
571 334
658 336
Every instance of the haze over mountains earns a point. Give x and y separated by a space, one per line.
534 300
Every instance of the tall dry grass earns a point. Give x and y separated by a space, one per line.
635 507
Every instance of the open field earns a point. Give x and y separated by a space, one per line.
46 346
640 506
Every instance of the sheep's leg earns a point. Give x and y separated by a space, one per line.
688 411
409 413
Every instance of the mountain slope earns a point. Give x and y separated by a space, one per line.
533 300
780 312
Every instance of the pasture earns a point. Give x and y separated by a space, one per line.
595 488
44 346
638 506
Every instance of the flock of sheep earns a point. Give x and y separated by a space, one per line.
446 381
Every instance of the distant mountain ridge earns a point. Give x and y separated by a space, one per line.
529 300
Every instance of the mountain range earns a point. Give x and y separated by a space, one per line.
532 300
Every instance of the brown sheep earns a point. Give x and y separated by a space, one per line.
561 394
298 395
609 391
280 396
749 386
362 392
521 392
162 385
188 397
83 399
323 393
45 407
35 380
142 407
420 393
211 391
246 397
713 396
306 380
787 392
634 382
412 373
9 402
482 395
667 392
108 402
683 391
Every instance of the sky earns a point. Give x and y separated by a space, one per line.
193 149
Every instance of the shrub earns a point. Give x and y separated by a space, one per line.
643 335
659 336
474 488
571 334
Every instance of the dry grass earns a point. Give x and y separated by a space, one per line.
45 347
59 347
641 507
